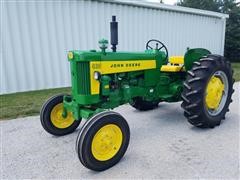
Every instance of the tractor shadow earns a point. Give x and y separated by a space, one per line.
167 115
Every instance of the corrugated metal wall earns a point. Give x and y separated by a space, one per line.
36 35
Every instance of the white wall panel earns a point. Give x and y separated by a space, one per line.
36 35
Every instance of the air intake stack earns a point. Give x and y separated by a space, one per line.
114 33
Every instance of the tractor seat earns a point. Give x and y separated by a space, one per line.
175 64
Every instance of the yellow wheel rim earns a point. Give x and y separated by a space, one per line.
58 120
106 142
214 93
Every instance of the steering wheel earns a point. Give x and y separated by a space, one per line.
149 45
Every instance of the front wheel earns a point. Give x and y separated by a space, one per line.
102 141
207 91
53 121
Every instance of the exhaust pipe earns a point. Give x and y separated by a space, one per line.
114 33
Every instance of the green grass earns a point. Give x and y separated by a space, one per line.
236 68
25 103
29 103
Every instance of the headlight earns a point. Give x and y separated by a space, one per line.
97 75
70 55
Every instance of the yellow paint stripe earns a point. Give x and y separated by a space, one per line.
110 67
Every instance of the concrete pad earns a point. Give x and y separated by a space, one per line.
162 145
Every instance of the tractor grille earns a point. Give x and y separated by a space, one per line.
83 78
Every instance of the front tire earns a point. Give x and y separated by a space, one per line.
102 141
53 121
207 91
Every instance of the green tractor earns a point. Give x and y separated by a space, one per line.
103 80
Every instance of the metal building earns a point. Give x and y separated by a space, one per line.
36 35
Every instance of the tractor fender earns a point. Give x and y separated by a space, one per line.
193 55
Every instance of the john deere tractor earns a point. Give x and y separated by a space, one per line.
103 80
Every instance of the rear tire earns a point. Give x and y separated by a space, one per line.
142 105
207 91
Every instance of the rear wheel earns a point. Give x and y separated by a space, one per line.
102 141
207 91
53 121
143 105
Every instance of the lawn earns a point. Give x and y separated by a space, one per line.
26 103
236 69
29 103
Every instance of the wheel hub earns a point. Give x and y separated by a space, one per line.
57 118
215 90
107 142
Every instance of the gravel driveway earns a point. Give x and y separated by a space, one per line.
162 145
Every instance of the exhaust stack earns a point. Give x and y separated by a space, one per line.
114 33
